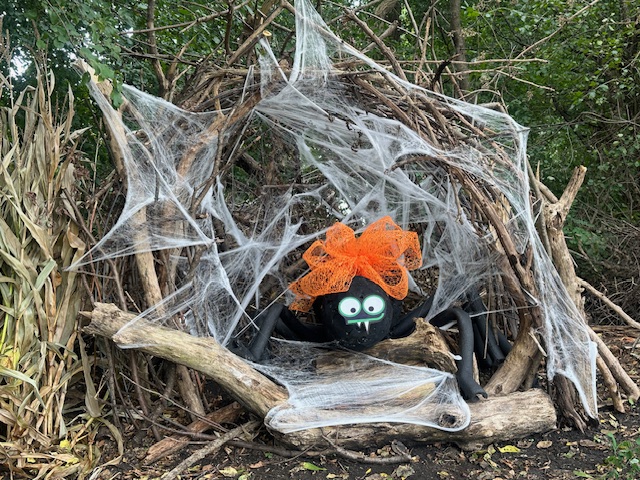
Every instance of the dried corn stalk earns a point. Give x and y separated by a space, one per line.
39 341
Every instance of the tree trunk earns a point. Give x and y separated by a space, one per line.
458 43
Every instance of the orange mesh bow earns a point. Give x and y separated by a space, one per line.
383 254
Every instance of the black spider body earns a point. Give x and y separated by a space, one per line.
353 285
358 318
365 315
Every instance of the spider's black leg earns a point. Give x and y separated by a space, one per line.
480 347
266 322
289 326
490 351
503 343
406 324
276 318
487 348
468 386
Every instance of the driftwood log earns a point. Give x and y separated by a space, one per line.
252 389
495 419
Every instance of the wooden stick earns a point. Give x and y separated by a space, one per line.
383 48
175 443
607 301
610 383
210 449
361 457
252 389
255 36
619 373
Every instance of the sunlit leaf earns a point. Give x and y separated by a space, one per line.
508 449
310 466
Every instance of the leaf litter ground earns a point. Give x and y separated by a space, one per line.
564 453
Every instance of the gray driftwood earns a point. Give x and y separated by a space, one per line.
498 418
251 388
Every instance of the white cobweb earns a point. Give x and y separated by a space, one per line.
348 164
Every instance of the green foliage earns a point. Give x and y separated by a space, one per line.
577 86
65 30
581 233
568 70
589 60
624 462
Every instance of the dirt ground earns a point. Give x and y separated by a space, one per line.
564 453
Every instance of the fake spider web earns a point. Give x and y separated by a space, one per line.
349 162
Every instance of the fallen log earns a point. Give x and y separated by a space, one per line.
252 389
497 418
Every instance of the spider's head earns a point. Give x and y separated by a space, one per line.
358 318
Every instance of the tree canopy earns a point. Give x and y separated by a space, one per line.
567 70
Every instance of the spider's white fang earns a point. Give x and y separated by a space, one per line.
366 325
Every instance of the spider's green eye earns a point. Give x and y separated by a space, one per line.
349 307
373 304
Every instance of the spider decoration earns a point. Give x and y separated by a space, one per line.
356 287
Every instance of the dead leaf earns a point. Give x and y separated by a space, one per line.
377 476
544 444
229 472
525 443
403 471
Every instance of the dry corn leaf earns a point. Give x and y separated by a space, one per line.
23 378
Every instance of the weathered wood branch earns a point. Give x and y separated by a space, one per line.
497 418
249 428
386 51
617 370
609 303
610 383
555 215
555 212
250 388
174 443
